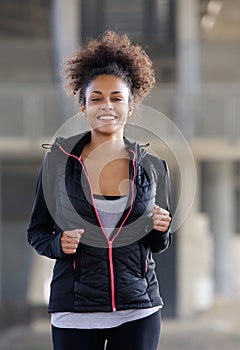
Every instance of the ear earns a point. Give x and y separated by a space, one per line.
82 107
130 110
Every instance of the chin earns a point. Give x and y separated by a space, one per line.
108 130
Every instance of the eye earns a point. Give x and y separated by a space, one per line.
117 99
95 99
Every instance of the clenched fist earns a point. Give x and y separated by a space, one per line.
161 218
70 240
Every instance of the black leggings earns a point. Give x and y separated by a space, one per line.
142 334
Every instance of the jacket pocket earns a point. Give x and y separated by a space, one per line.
77 265
143 259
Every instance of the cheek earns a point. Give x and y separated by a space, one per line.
91 110
124 108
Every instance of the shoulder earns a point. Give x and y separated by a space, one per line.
62 147
156 163
147 159
71 143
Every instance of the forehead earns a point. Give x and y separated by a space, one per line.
107 83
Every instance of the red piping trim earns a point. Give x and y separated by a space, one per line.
132 197
93 202
112 276
68 154
117 233
92 197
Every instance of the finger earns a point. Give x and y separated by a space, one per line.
71 239
159 210
160 228
157 216
70 246
156 208
75 233
161 218
164 212
70 243
160 225
67 239
67 250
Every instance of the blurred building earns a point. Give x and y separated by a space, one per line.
195 48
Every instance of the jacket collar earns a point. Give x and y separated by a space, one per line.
76 143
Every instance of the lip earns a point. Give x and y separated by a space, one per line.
107 115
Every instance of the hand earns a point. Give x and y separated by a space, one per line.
70 240
161 219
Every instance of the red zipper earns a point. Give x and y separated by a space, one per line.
110 243
110 257
111 275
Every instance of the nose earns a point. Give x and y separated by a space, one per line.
107 106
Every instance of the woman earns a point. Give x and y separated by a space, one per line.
102 208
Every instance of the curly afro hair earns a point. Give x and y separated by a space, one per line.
112 54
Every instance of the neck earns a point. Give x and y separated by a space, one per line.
107 144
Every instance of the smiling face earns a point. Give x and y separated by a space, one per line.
107 105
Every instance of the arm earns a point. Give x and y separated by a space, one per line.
159 238
42 233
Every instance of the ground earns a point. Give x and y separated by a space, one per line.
218 328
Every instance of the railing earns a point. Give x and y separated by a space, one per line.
213 113
37 111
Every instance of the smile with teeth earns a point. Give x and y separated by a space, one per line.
106 117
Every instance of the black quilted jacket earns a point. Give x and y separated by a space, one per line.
105 274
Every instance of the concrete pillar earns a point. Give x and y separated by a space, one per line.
66 27
194 250
188 63
219 203
66 20
66 32
1 262
39 280
194 269
188 50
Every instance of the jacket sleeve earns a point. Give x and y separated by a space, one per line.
156 240
42 233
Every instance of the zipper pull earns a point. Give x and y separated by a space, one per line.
146 265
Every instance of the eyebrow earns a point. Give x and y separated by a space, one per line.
100 92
